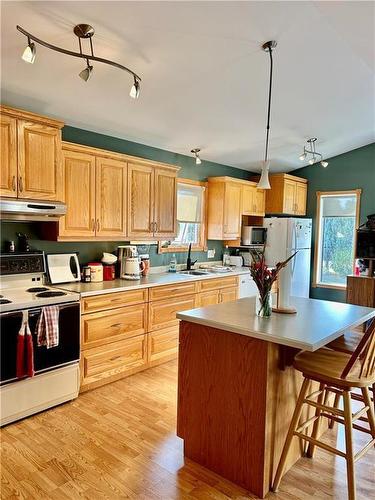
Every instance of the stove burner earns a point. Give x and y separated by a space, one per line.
50 294
5 301
1 296
37 289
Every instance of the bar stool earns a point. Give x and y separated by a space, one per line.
347 343
340 373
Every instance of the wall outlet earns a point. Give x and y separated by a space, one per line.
211 254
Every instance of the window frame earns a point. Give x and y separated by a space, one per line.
319 195
202 244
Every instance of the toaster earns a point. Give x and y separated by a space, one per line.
236 260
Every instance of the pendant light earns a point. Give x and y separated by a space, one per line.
264 182
86 73
30 52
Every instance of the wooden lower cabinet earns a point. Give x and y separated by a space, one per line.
163 312
123 333
163 345
112 361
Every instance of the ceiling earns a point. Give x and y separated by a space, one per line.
204 76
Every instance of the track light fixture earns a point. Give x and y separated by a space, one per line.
83 32
264 181
196 152
30 52
314 155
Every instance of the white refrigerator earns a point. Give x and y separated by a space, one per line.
284 237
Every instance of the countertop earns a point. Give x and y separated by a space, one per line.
316 323
151 280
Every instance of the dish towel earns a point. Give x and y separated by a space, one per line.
25 349
47 328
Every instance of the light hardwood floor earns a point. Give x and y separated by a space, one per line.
119 441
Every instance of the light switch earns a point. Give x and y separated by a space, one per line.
211 254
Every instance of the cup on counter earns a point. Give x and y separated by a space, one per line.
108 272
145 264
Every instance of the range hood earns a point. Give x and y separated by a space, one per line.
31 210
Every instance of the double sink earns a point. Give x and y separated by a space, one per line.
201 272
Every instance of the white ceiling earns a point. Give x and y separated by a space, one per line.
204 76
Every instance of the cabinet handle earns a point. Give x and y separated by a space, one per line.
20 184
151 227
155 227
93 224
97 225
14 187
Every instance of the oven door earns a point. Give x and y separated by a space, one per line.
44 359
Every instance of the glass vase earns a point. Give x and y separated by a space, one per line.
263 305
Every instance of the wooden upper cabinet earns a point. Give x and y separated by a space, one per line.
165 208
39 160
253 200
232 210
228 200
8 158
30 155
79 196
140 200
111 209
288 195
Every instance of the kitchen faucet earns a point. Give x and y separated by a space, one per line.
189 263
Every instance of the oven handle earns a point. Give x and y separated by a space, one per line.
34 312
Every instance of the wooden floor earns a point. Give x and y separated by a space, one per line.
119 442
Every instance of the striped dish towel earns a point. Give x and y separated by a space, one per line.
47 328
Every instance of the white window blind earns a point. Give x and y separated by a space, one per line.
189 203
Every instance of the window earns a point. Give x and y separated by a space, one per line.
337 221
191 217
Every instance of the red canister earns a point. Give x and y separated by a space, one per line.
108 272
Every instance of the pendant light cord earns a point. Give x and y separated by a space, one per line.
269 104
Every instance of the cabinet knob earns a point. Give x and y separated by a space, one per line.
93 224
97 225
20 184
14 186
155 227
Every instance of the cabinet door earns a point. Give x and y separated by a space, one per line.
8 158
289 197
39 161
165 203
301 195
79 196
228 294
260 202
162 313
232 210
111 206
140 201
248 200
163 345
208 298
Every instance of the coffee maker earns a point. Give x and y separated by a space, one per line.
130 264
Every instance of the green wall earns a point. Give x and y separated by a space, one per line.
89 251
352 170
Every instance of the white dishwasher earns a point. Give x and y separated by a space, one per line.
247 287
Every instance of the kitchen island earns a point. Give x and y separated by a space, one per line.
236 387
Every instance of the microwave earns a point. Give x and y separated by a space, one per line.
253 235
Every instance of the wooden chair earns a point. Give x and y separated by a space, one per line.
348 343
337 372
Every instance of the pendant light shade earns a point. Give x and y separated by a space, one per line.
264 182
135 90
86 73
29 53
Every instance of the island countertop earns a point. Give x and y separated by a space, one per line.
316 323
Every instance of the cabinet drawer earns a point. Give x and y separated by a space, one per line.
108 326
229 294
112 300
214 284
163 313
208 298
170 291
115 359
163 345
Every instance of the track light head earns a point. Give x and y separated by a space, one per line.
303 157
311 161
29 53
135 90
264 181
324 163
196 152
86 73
